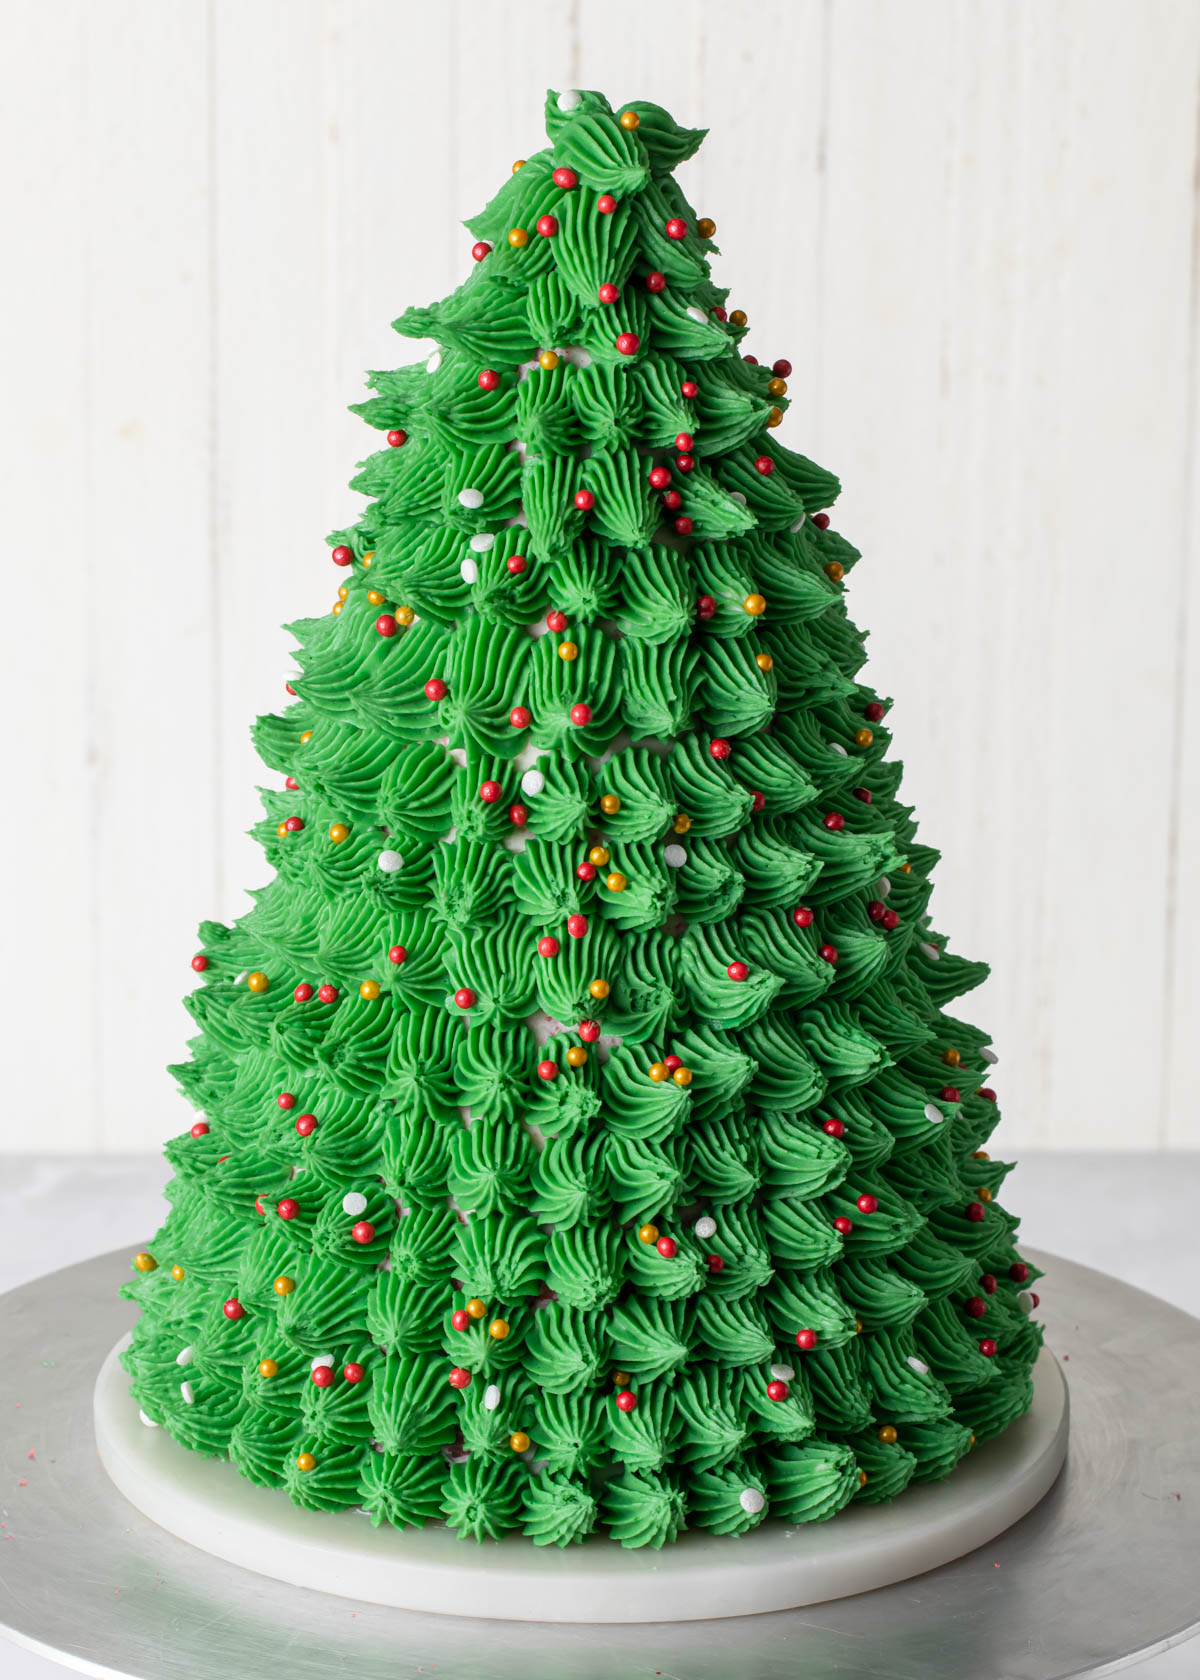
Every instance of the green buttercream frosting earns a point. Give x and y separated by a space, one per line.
937 1447
591 1037
885 1469
332 1483
644 1438
261 1445
568 1348
570 1429
643 1509
481 1499
811 1482
728 1500
990 1410
559 1510
402 1490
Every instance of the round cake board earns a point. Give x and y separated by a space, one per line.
1099 1576
774 1567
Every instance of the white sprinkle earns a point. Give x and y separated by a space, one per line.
185 1355
736 496
354 1203
782 1373
470 498
933 1114
750 1499
482 541
836 747
884 887
433 362
989 1055
1025 1301
570 99
390 861
491 1397
797 524
242 977
532 783
468 571
917 1365
189 1397
930 951
705 1227
695 313
322 1359
674 857
148 1421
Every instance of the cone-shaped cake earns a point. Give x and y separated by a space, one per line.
586 1142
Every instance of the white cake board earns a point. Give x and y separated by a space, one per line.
1100 1576
774 1567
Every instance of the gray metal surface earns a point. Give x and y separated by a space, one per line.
1102 1573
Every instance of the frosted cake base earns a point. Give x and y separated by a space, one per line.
775 1567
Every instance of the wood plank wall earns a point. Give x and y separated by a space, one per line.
970 224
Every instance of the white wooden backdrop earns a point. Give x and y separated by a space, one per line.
972 228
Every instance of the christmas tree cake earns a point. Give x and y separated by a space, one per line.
587 1145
